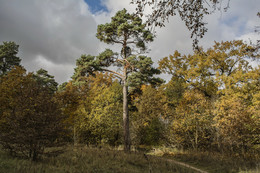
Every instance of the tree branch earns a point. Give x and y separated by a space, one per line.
116 41
114 72
130 42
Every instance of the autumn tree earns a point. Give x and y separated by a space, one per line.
102 124
8 57
206 70
192 71
30 118
69 97
192 125
127 31
223 78
149 120
237 110
192 13
237 125
84 102
173 93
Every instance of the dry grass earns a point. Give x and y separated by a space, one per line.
83 159
214 162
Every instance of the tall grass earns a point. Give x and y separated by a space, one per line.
93 160
215 162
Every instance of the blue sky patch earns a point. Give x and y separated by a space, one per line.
96 6
239 26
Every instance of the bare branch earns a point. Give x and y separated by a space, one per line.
114 72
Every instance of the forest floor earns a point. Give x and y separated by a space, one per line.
211 162
92 160
84 159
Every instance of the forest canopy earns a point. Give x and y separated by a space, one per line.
210 103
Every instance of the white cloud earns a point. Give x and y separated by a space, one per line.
64 71
58 30
240 19
53 34
251 37
115 5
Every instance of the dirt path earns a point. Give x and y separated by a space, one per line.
186 165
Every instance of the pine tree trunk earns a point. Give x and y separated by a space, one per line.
127 142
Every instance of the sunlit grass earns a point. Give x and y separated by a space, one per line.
213 162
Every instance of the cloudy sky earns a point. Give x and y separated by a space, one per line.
53 34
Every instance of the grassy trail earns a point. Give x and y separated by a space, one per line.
186 165
215 162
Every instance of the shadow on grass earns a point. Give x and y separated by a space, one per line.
84 159
218 163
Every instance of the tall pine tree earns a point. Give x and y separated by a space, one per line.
8 58
128 31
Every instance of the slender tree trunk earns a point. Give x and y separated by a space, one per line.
127 142
196 137
74 135
196 130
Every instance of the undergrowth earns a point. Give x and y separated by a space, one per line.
90 160
214 162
